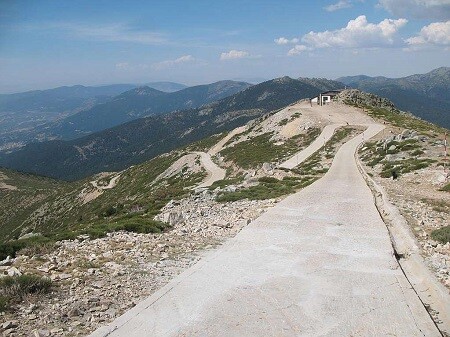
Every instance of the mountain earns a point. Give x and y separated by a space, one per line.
136 103
129 105
166 86
424 95
143 139
321 83
22 112
58 100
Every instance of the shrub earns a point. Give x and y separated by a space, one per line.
3 303
15 288
441 235
11 248
446 188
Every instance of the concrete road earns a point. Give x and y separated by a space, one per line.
215 172
320 263
320 141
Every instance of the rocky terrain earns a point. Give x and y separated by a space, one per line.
95 281
418 194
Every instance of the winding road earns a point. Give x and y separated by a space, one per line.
319 263
215 172
301 156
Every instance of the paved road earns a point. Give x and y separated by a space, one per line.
215 172
320 141
320 263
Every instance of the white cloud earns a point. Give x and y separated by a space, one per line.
357 34
439 9
123 65
437 33
234 54
341 4
298 49
283 40
170 63
119 32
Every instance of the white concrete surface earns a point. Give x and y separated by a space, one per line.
320 141
215 172
320 263
219 145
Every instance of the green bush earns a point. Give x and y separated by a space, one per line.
13 289
441 234
446 188
11 248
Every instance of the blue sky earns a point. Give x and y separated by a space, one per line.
45 44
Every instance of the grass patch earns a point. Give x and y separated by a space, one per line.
268 188
442 234
11 248
404 166
13 289
260 149
446 188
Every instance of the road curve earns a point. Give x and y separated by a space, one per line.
320 263
301 156
215 172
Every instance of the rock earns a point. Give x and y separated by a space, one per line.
41 333
13 271
267 167
392 148
56 331
7 262
406 134
9 325
8 332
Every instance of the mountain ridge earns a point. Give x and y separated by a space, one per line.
143 139
424 95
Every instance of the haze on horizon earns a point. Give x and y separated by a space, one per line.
48 44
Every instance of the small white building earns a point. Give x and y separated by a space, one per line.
327 96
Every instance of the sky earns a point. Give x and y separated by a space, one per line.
45 44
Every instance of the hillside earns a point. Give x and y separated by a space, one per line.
166 86
157 223
130 105
20 113
143 139
424 95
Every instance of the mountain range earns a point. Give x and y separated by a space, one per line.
425 95
94 113
142 139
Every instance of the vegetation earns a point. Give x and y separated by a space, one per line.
308 172
403 166
399 119
425 95
129 206
140 140
14 289
374 154
268 188
261 149
442 234
446 188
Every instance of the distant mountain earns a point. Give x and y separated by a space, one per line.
322 83
143 139
58 100
166 86
21 112
424 95
137 103
130 105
